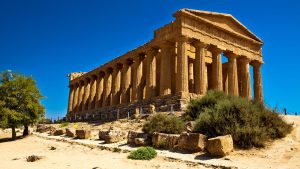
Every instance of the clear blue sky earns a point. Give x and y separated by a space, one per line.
49 39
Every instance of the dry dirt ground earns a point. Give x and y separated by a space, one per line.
283 153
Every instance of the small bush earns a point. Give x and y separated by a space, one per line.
250 124
163 123
143 153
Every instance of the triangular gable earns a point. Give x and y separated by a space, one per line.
226 21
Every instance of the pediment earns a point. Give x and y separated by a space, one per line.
225 21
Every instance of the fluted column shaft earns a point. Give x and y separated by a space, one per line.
217 69
165 69
75 97
151 73
232 75
116 85
258 89
107 88
86 95
182 66
125 84
92 93
70 103
80 96
137 72
246 89
200 81
99 90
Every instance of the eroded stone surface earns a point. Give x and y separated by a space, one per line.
83 134
192 142
220 146
165 141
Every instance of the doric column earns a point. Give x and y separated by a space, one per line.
92 92
86 94
75 97
125 82
182 66
246 89
137 72
107 88
191 76
116 85
217 68
258 89
80 96
70 103
232 74
165 69
151 73
99 90
200 68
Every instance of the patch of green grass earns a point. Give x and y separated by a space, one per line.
143 153
64 124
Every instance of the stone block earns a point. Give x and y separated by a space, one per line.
114 136
102 134
58 132
220 146
165 141
83 134
192 142
70 132
141 141
132 135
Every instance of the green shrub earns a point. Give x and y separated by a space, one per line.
250 124
163 123
143 153
64 124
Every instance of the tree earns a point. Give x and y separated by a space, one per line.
19 102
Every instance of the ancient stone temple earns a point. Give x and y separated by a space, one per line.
198 51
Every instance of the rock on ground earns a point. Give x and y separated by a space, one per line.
70 132
83 134
166 141
220 146
192 142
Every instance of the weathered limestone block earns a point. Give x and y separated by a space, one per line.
166 141
102 134
114 136
70 132
136 113
151 109
220 146
83 134
133 135
43 128
192 142
141 141
189 126
58 132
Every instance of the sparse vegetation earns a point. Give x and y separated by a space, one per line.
64 124
143 153
250 124
163 123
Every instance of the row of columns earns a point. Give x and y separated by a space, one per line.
126 82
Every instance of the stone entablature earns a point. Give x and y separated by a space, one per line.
184 60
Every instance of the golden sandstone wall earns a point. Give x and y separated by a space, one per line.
182 61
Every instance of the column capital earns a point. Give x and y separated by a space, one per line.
139 57
183 38
151 51
100 74
256 63
245 60
230 55
215 50
200 44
